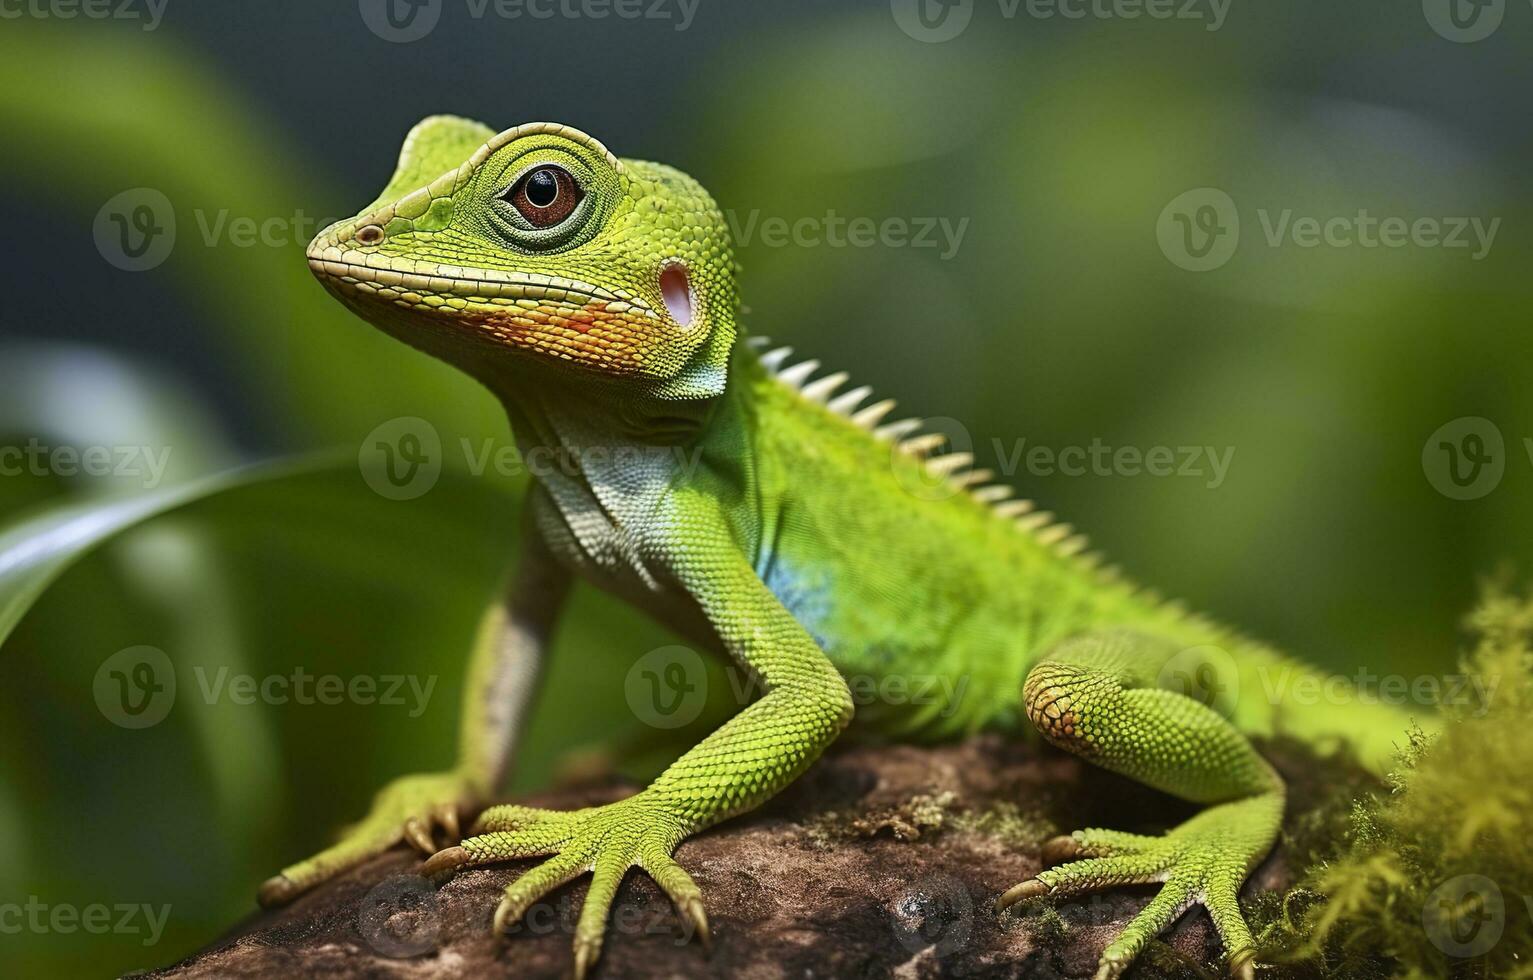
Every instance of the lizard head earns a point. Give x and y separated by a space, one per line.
537 248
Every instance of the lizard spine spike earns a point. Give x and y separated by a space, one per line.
1072 545
923 444
897 430
772 359
868 418
795 376
949 464
1055 534
818 391
1014 508
847 402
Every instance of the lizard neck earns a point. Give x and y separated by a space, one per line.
553 409
609 459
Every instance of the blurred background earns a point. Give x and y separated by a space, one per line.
1139 231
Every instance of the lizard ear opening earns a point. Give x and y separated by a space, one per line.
676 290
707 369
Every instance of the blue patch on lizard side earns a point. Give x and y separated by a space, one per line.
808 602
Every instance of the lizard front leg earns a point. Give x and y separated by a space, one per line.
503 671
733 770
1092 695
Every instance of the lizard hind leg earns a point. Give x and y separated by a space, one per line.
1088 696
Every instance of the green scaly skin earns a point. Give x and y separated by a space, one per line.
807 542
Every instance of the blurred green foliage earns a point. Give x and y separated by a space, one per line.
1056 320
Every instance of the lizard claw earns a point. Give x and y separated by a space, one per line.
693 909
1031 888
446 861
421 831
506 914
417 834
446 817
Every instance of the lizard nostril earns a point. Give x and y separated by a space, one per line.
369 235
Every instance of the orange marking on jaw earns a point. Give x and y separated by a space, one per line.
615 342
584 320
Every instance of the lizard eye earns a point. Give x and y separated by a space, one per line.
545 196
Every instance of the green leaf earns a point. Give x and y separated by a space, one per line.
34 552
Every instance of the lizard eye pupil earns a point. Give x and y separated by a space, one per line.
545 196
542 188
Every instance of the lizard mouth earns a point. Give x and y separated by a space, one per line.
549 316
386 278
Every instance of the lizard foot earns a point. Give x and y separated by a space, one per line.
604 840
1201 862
414 808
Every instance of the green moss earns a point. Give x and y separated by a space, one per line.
1008 823
1434 878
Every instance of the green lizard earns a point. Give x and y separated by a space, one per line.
805 538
